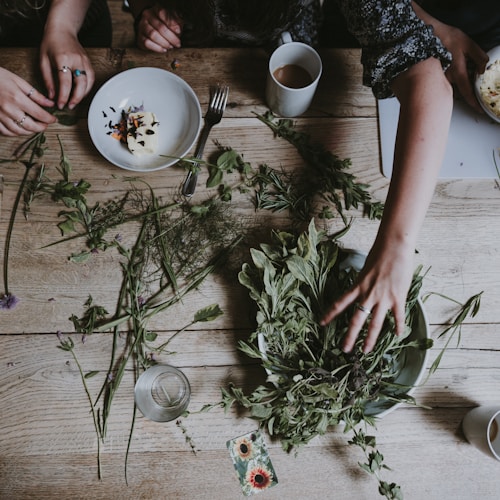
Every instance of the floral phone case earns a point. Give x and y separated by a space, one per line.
252 463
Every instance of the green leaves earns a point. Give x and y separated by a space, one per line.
327 176
228 162
312 384
209 313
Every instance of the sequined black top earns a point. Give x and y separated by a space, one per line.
393 39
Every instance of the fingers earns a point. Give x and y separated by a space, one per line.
158 31
22 113
74 84
469 54
68 78
83 80
364 313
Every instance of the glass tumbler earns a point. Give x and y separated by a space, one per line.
162 393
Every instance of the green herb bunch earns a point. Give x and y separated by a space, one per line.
313 384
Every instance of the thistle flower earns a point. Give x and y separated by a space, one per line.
8 301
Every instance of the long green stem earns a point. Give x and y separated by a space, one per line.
92 409
28 164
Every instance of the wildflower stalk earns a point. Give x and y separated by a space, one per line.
35 149
68 346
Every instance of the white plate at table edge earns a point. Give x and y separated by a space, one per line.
174 103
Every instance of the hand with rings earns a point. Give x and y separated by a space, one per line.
22 107
66 68
381 286
363 309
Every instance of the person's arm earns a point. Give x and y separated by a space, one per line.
156 28
62 58
426 103
464 51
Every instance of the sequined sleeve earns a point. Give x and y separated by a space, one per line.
392 38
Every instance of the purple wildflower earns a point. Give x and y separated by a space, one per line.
8 301
141 300
59 335
84 338
118 237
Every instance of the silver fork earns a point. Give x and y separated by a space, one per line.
213 116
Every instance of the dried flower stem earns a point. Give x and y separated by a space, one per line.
34 144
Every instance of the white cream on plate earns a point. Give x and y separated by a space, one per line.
142 137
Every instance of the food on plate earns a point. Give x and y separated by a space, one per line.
137 129
141 133
489 87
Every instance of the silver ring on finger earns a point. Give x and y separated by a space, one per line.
30 93
65 69
363 309
79 72
20 123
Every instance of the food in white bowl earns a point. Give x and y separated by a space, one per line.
172 101
487 86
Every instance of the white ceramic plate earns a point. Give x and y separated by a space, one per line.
170 98
494 55
412 365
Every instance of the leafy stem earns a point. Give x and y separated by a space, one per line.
67 344
34 144
375 463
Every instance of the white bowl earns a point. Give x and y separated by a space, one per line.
493 65
412 365
169 97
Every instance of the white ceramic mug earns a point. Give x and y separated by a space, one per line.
481 427
284 100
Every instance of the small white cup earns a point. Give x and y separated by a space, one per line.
287 101
481 427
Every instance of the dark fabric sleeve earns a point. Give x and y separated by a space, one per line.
392 38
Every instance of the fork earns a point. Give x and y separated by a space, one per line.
212 117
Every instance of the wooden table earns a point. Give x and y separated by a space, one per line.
47 438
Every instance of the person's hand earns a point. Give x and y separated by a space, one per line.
158 31
465 53
382 286
66 68
21 107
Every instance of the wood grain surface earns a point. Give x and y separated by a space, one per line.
47 439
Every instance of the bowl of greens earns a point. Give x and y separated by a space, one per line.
311 383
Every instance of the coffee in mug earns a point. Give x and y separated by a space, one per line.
293 76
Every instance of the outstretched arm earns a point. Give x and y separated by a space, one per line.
426 102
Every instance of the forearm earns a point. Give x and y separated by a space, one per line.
426 102
67 15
